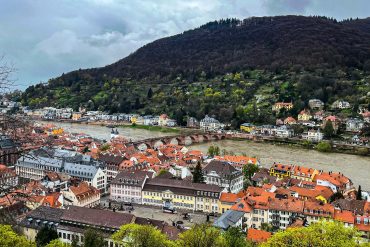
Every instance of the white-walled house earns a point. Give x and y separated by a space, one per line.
224 175
127 186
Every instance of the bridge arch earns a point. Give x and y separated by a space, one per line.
158 144
188 140
175 141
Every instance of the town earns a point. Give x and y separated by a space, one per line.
57 174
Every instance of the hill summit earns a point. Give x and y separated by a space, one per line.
188 63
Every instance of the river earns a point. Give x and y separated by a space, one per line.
355 167
103 133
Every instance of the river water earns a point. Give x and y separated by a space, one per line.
103 133
355 167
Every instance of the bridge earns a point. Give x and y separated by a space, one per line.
183 140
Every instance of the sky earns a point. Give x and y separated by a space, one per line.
44 38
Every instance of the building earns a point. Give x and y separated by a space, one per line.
247 127
340 104
337 182
284 131
192 123
37 163
162 121
8 177
282 105
76 116
303 173
71 223
238 161
230 218
111 163
210 124
290 121
280 170
354 125
304 115
224 175
316 104
258 236
334 120
8 151
127 186
181 194
82 195
281 212
314 135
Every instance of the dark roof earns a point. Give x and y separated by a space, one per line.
356 206
126 177
263 174
96 217
112 159
223 169
36 218
183 187
6 142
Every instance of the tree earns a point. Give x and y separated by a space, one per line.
267 227
150 93
93 238
328 129
211 150
201 236
359 193
57 243
321 234
45 236
336 196
135 235
323 147
8 238
234 237
198 174
249 170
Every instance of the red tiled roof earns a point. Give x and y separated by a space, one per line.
258 236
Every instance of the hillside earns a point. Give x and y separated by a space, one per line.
284 58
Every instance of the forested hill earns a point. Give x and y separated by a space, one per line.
288 46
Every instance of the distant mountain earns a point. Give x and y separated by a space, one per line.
288 45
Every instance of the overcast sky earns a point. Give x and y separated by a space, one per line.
44 38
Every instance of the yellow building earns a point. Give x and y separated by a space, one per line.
76 116
57 131
181 194
304 115
247 127
280 170
227 200
304 173
133 120
280 105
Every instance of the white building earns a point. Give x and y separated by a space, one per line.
224 175
340 104
210 124
314 135
127 186
37 163
354 125
284 131
83 195
315 104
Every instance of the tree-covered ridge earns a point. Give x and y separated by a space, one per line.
228 68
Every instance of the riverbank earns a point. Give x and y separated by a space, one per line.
152 128
354 166
324 146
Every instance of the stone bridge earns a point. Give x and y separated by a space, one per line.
183 140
